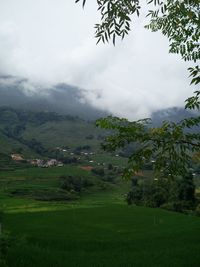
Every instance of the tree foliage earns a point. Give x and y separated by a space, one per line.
172 144
178 20
176 195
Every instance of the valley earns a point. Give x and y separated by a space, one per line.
64 201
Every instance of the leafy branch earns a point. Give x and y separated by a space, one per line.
171 145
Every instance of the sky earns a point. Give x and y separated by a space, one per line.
51 41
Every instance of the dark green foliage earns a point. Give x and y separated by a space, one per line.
170 145
71 183
98 171
110 166
186 188
177 195
115 18
178 20
152 193
134 196
35 145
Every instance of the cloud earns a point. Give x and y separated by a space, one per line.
52 41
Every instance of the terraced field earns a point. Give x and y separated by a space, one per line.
97 230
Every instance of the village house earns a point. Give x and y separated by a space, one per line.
17 157
46 163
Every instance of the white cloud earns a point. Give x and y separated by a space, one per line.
52 41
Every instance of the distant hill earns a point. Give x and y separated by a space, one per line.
33 122
62 98
65 100
36 133
172 114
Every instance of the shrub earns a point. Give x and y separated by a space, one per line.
179 206
177 195
58 195
71 183
76 184
134 196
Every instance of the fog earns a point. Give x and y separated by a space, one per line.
50 42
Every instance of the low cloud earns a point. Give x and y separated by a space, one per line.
52 42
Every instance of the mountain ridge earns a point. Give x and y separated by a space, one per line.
62 98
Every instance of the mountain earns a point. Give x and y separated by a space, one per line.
65 99
62 98
36 133
171 114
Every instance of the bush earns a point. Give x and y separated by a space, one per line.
58 195
110 167
179 206
71 183
186 188
134 196
148 192
178 195
76 184
158 198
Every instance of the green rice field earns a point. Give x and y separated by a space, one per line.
97 230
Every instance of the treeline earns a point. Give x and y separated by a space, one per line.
172 194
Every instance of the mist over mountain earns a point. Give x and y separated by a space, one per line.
62 98
174 114
65 99
29 116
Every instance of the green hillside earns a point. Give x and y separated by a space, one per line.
64 133
30 133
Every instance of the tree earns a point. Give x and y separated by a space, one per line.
172 144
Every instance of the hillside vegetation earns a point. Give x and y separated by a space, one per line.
31 132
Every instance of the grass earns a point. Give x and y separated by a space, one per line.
110 235
108 158
98 230
34 181
63 133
